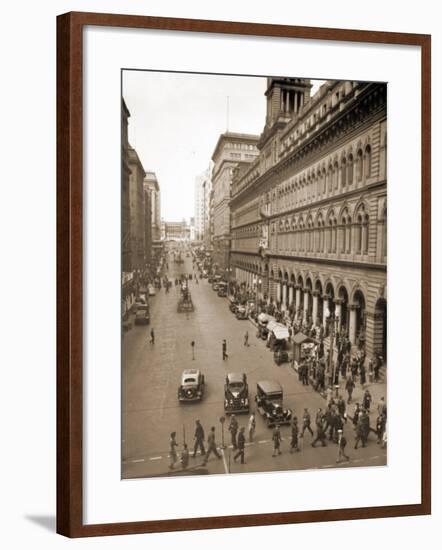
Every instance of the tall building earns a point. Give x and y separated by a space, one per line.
207 189
199 206
148 253
309 215
153 187
231 151
177 231
125 199
137 213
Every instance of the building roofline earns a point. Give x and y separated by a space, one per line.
233 136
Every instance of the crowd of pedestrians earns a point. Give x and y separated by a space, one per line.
328 427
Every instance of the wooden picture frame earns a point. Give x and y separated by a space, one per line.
70 271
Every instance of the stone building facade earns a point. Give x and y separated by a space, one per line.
126 257
231 150
137 213
309 215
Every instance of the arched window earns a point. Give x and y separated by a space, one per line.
358 235
360 167
384 233
367 161
331 234
343 172
330 178
362 231
350 169
319 247
348 235
343 247
336 176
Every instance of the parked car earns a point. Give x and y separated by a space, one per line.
142 317
269 402
241 312
192 385
236 393
215 286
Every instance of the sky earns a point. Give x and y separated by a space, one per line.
175 122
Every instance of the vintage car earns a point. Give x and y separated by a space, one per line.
233 305
192 385
222 290
269 402
142 317
236 393
241 313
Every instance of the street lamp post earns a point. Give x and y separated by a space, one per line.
333 329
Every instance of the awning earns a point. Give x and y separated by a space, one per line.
281 332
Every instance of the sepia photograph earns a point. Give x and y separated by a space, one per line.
253 274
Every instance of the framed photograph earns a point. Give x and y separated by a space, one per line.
243 278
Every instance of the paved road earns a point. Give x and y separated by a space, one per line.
151 375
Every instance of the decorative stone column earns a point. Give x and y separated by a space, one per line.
291 295
338 311
325 311
298 301
306 298
315 308
284 296
278 291
352 328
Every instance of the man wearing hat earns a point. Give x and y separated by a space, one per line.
276 437
233 429
199 439
241 445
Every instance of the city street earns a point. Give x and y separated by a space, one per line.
152 373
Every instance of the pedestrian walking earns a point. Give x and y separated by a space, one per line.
172 450
192 343
304 374
319 417
366 400
342 408
349 386
356 414
241 446
380 428
233 429
276 438
342 442
363 377
377 367
360 432
246 338
152 336
382 407
251 427
224 347
320 436
294 436
211 446
306 421
365 419
184 458
199 439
